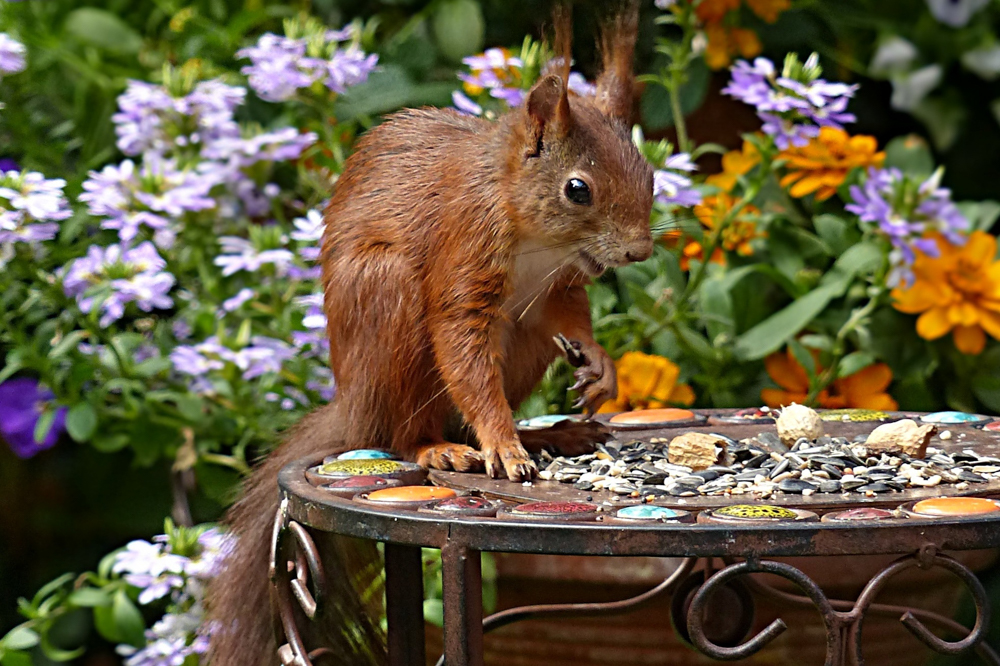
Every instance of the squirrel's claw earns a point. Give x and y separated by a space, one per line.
596 378
510 460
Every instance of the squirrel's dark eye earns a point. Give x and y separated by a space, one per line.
578 192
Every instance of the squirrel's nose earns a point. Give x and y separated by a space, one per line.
640 250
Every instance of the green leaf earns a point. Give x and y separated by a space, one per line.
128 620
981 214
104 30
104 622
44 424
51 587
910 154
770 334
434 612
835 232
58 654
89 597
110 443
152 366
81 421
68 342
854 362
655 108
19 638
191 408
15 659
459 28
717 308
9 370
803 357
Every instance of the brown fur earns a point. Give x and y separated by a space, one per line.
451 256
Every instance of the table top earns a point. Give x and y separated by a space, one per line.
318 508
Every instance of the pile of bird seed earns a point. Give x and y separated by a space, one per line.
762 466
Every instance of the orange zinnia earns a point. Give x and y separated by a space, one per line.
958 292
864 389
647 382
821 165
737 236
768 10
725 42
735 163
713 11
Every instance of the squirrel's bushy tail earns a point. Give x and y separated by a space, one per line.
238 599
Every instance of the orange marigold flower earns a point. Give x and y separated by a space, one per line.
713 11
647 382
865 389
821 165
958 292
737 236
724 43
735 163
769 10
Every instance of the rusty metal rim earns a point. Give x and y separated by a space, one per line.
316 508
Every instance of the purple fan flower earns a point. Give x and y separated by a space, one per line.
265 355
239 254
11 55
152 195
151 119
905 213
580 85
234 303
465 105
955 13
673 188
348 67
189 360
279 66
793 108
279 146
22 402
308 232
119 276
30 208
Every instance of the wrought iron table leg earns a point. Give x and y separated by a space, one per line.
404 592
462 578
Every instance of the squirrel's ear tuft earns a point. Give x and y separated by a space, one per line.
548 105
616 82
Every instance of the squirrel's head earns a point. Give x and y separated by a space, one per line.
579 182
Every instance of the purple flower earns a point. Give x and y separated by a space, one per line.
265 355
795 104
153 195
279 146
905 212
30 208
309 232
673 188
348 67
22 402
119 276
191 361
465 105
955 13
239 254
11 55
234 303
281 66
496 71
151 119
580 85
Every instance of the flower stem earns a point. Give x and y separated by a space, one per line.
825 378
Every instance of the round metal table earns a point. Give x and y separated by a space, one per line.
297 573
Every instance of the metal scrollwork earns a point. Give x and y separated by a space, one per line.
843 619
296 573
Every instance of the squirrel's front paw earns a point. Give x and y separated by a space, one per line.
596 378
511 459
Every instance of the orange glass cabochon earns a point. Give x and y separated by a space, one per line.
411 494
955 506
653 416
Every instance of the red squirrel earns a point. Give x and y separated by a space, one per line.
455 249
